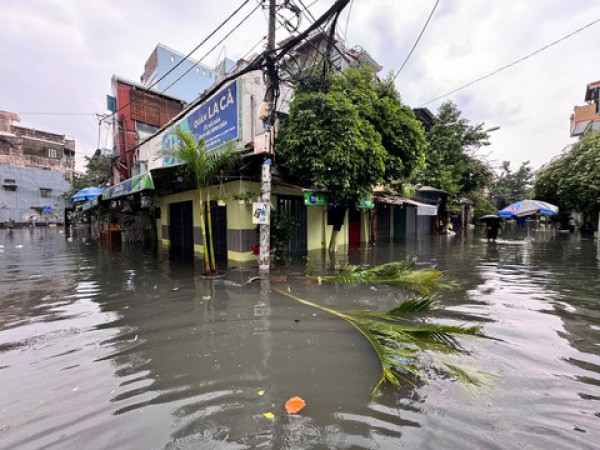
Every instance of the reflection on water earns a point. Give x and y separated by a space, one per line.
134 350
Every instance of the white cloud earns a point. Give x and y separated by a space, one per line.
58 56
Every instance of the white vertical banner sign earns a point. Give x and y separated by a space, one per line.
264 260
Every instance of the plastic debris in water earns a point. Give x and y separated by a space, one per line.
294 404
261 392
269 415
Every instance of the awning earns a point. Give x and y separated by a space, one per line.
91 203
423 209
138 183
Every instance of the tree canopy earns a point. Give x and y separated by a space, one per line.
97 174
349 137
448 165
573 181
510 186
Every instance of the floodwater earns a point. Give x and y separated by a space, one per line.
132 350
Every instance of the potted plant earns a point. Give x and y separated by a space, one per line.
222 200
243 197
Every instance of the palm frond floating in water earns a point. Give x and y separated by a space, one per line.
400 273
399 342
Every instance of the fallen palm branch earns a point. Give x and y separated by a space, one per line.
399 273
399 343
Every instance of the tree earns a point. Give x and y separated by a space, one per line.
205 167
481 206
573 181
325 143
97 174
379 103
512 186
347 135
448 166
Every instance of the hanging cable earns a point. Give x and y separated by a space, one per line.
212 49
348 20
418 39
464 86
221 25
257 63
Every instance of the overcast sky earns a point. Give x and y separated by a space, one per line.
57 57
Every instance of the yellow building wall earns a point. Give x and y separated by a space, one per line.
239 217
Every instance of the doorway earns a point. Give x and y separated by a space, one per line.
353 227
294 206
181 230
219 231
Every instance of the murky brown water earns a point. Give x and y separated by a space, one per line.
132 350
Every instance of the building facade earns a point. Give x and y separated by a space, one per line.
187 81
36 168
138 113
586 119
232 111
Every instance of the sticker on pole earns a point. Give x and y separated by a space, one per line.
261 213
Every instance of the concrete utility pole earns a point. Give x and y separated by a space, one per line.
264 259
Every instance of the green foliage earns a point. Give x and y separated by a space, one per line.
476 176
379 103
205 166
510 187
283 229
97 174
401 341
349 138
325 143
482 206
448 166
400 273
573 181
244 196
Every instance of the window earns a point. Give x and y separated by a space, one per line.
9 188
10 180
46 193
172 58
51 153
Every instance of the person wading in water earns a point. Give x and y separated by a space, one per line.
493 229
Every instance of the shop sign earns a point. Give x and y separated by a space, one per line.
91 203
315 199
215 121
134 184
366 203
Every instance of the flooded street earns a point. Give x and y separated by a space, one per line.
132 350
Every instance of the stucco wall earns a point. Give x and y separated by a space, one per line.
16 204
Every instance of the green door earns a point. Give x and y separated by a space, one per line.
399 225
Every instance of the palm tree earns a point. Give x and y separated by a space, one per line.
205 166
404 342
398 273
401 342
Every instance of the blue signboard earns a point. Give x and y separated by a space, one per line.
215 121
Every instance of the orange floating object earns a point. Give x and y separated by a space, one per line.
294 404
